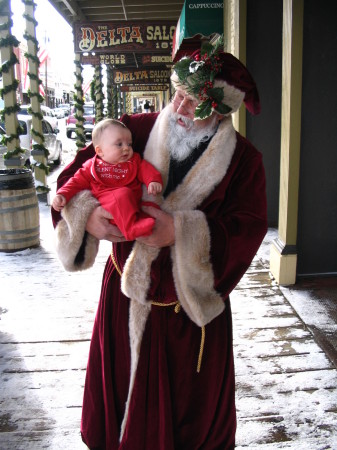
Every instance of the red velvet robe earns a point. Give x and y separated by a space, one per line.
172 406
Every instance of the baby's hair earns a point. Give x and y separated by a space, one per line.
102 126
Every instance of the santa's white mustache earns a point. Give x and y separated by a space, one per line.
188 122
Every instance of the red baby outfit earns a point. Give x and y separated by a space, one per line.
118 188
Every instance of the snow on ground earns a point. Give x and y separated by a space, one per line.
294 408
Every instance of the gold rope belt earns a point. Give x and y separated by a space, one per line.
177 308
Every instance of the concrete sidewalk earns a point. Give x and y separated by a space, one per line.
286 383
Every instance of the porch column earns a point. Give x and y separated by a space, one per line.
39 151
235 26
283 254
79 98
98 93
7 61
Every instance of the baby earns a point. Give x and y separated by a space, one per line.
115 176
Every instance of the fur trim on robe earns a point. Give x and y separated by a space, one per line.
192 268
71 230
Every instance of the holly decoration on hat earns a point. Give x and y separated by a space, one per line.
197 75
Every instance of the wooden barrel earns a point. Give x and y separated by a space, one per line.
19 211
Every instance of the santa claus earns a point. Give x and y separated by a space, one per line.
160 373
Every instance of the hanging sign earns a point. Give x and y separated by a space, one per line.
198 19
157 59
114 59
130 36
144 88
158 76
126 59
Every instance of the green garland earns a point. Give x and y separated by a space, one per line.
6 66
109 87
35 94
115 101
5 139
9 41
33 39
6 25
28 17
8 111
99 96
79 102
34 58
9 88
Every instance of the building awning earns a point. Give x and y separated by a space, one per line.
198 19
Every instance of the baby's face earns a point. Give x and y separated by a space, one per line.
116 145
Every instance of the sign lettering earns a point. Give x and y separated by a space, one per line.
144 88
104 37
126 59
105 58
161 76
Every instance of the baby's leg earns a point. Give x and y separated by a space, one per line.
123 206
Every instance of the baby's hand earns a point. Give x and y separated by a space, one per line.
59 202
154 188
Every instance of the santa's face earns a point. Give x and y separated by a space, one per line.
185 105
185 134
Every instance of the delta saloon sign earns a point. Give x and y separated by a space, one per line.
160 76
130 36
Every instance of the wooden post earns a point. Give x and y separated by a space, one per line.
11 121
80 142
283 255
115 101
128 103
33 67
109 91
98 93
235 25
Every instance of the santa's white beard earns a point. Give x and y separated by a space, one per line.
183 140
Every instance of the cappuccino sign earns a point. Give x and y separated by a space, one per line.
131 36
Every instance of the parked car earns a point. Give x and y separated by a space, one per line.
59 113
66 107
45 111
51 141
89 121
3 148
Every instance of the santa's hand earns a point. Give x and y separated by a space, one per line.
100 227
163 234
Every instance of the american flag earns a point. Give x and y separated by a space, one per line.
42 55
